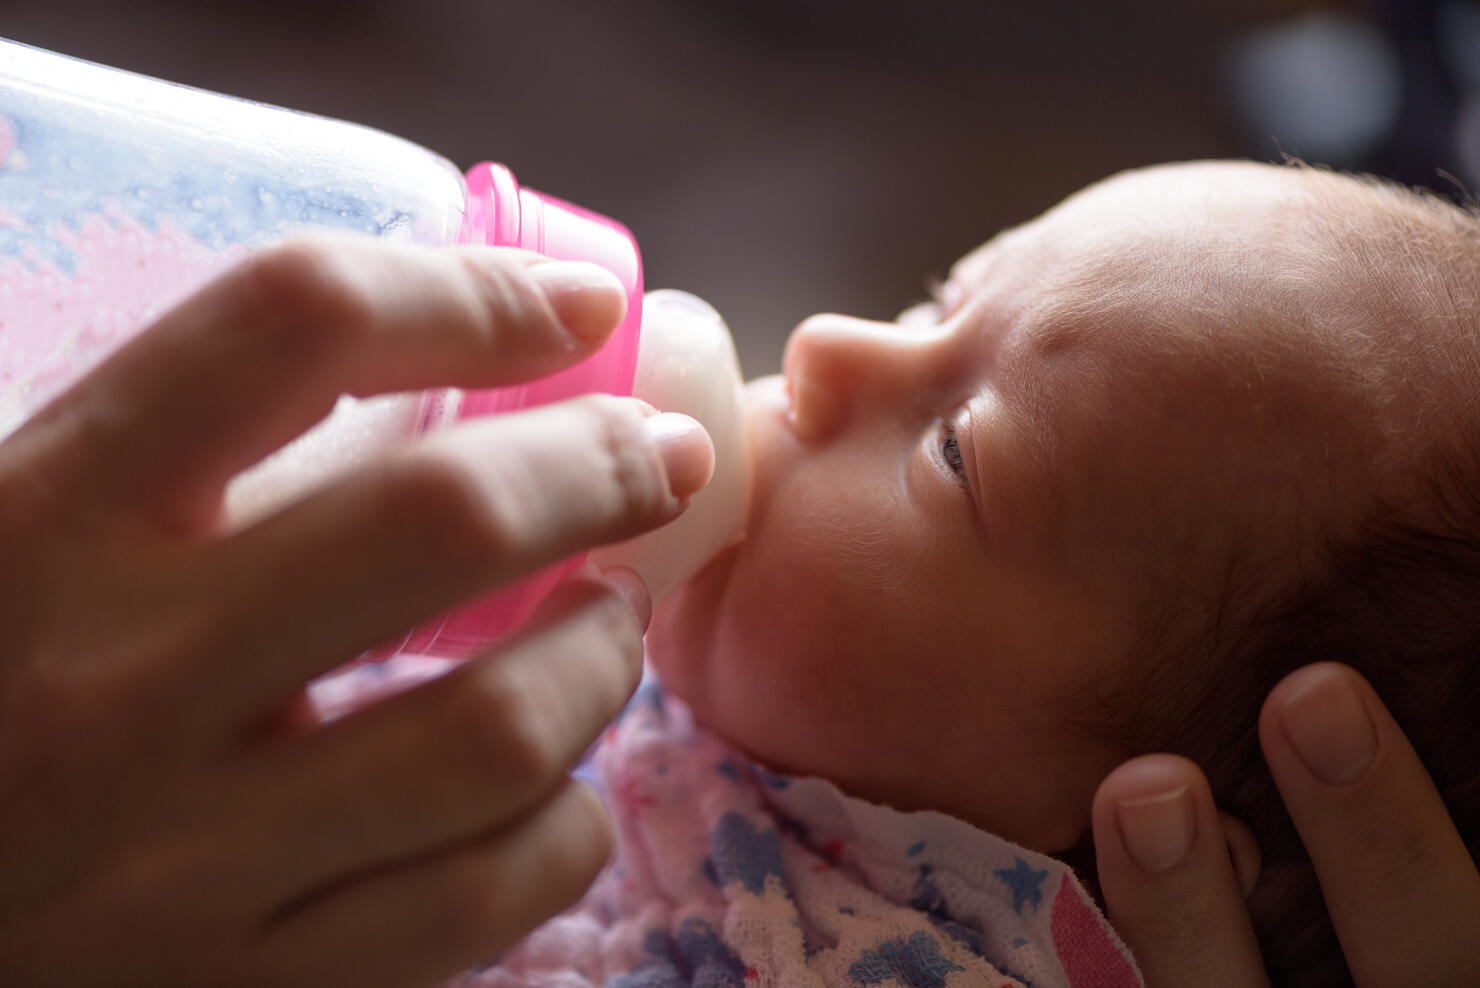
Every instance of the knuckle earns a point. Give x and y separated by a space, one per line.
499 726
1176 937
440 514
493 912
484 903
310 282
1172 920
1181 934
1404 860
504 303
627 461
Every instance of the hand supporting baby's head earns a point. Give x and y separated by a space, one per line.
1193 427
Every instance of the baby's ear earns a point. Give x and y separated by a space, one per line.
1243 849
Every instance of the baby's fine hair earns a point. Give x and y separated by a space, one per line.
1399 601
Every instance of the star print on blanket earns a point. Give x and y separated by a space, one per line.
727 876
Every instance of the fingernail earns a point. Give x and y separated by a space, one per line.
1157 830
587 298
1329 728
685 448
631 587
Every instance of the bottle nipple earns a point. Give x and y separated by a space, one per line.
686 363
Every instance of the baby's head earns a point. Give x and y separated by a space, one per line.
1194 427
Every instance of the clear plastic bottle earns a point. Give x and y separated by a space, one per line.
120 194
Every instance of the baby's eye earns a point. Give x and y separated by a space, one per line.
950 452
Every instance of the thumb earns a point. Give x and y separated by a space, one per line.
1168 878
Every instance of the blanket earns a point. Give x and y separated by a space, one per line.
729 876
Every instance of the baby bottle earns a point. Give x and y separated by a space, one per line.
120 194
686 363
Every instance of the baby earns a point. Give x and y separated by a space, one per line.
1194 427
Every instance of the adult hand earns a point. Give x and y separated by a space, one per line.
159 824
1401 887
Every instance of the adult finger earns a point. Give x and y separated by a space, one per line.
415 533
456 757
1168 881
1402 889
426 920
263 352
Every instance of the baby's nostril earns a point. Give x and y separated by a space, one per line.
816 410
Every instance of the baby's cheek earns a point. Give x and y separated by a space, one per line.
678 639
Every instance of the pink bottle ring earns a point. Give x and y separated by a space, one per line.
502 214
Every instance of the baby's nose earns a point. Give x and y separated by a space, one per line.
833 363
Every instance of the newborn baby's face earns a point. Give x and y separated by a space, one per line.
963 520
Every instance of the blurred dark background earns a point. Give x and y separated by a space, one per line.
782 157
